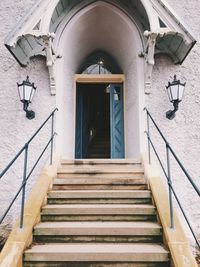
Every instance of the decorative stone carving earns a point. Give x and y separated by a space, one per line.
149 59
50 60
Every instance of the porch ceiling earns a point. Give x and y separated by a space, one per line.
33 35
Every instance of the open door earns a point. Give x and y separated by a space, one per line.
99 120
82 131
117 120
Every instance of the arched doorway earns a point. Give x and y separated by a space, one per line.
101 27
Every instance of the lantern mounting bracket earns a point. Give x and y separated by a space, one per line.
30 114
172 113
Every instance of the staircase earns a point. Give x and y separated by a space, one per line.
100 146
98 213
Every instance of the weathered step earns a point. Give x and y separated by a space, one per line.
100 197
98 232
100 183
99 187
101 175
100 169
93 181
92 212
93 264
107 162
101 253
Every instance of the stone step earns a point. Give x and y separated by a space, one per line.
101 181
103 162
63 186
101 170
97 232
93 264
103 212
101 175
96 253
99 197
111 209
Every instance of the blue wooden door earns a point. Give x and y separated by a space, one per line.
117 121
82 130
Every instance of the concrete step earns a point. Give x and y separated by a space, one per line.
99 197
96 253
119 232
111 182
101 175
86 169
93 264
103 212
102 181
103 162
93 174
76 187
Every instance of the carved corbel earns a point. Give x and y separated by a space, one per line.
50 60
149 59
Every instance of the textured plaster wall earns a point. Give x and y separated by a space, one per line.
183 132
15 129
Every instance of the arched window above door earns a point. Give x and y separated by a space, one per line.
99 62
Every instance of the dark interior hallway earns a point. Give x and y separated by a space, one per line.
93 115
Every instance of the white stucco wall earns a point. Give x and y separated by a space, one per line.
15 128
183 132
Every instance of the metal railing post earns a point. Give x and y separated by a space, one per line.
170 189
149 145
24 186
52 135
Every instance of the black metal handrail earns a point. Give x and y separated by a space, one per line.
26 176
167 173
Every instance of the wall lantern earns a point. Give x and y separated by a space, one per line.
175 90
26 92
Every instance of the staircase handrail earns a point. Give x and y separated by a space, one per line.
167 173
25 175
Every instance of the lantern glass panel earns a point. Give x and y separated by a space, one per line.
169 93
181 91
21 92
32 94
27 92
174 91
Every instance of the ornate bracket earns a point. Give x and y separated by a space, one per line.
50 60
149 59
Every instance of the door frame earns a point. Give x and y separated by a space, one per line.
101 78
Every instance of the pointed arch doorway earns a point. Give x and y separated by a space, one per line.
87 33
100 116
